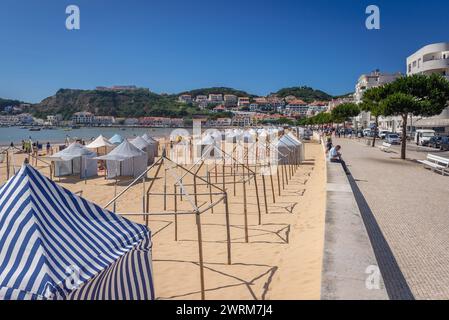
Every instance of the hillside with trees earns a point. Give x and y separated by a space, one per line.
218 90
305 93
7 102
127 103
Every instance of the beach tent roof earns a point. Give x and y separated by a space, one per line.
124 151
140 143
207 140
148 138
54 241
73 151
100 142
116 139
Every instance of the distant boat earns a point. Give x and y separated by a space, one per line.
76 127
35 129
67 129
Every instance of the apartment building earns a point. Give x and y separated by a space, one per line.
243 102
230 100
215 98
85 118
368 81
185 98
431 59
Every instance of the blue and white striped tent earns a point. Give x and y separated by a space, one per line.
56 245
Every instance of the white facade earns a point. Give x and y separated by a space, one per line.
368 81
433 58
83 118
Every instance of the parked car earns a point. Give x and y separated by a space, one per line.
393 138
444 144
434 142
422 137
383 133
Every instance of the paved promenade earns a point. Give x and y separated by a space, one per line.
406 212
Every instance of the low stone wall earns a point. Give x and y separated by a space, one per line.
350 270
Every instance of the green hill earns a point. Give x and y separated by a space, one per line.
305 93
218 90
7 102
128 103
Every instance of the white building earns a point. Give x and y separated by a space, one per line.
431 59
83 118
230 100
185 98
368 81
243 102
216 98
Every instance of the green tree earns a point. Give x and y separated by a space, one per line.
345 112
371 102
417 95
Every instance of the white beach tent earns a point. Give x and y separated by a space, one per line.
125 160
116 139
57 246
301 155
153 142
101 145
143 145
206 146
73 160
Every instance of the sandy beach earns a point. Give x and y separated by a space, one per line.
281 260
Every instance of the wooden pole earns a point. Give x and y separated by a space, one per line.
228 228
265 193
245 209
7 165
176 213
272 184
200 254
210 191
258 201
278 179
165 188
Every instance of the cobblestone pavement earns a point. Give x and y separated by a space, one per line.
410 208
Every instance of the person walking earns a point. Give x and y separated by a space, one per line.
48 149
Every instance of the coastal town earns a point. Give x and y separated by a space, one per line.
225 162
229 110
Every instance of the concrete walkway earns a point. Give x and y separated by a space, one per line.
406 213
350 270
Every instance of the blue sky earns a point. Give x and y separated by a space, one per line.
175 45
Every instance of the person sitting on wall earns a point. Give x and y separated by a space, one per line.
335 157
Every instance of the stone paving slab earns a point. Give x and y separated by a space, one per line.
406 212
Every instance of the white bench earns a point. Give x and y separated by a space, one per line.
385 147
436 163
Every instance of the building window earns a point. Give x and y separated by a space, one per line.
410 67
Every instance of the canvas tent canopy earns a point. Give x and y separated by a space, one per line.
289 150
75 159
101 145
125 160
143 145
153 142
116 139
69 248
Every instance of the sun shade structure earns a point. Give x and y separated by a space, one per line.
76 159
125 160
56 245
143 145
101 145
154 143
116 139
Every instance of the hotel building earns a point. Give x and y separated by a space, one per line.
431 59
365 82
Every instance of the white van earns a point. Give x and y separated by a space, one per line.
423 136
